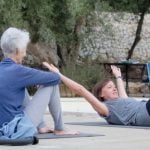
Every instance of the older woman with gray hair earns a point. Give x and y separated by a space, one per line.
18 114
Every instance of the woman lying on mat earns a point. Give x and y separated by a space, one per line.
111 102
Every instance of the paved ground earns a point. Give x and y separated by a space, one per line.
115 137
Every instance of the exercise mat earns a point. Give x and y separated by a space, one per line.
53 136
105 124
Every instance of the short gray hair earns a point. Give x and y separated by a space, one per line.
14 39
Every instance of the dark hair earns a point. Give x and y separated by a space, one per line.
98 89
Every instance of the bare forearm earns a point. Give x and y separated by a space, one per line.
121 88
80 90
120 85
96 104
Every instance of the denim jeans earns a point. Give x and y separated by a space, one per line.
20 127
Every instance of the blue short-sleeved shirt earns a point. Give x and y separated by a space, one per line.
14 78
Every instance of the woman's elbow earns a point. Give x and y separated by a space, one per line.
101 109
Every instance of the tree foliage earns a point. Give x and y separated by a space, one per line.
57 20
11 15
50 19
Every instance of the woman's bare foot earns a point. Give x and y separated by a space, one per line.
45 130
66 132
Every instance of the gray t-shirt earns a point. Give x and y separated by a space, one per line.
127 111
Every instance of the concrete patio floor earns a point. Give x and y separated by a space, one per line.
115 137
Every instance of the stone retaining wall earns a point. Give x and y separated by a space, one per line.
109 36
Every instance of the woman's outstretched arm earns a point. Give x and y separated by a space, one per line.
120 85
80 90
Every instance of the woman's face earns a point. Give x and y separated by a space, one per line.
109 91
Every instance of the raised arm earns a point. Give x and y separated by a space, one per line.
80 90
120 85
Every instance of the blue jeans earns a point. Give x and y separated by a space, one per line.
20 127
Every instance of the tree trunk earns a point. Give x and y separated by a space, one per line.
146 5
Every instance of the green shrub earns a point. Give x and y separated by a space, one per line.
86 74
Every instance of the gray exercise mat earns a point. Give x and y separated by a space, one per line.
53 136
105 124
